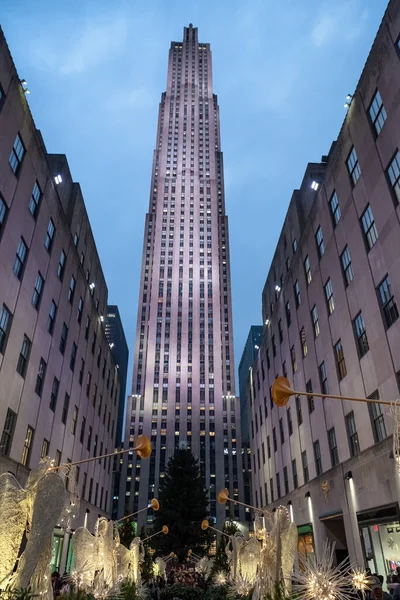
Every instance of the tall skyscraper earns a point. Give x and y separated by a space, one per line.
184 382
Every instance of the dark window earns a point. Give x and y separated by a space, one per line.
81 371
289 421
88 382
64 414
294 245
303 342
40 377
273 346
299 410
51 319
5 326
340 362
8 432
347 269
360 335
34 202
317 458
288 315
63 339
333 449
45 448
377 112
353 167
61 265
352 434
323 377
24 356
3 214
37 291
51 230
285 480
304 463
335 209
314 318
76 239
319 238
310 399
82 436
293 359
278 485
388 302
54 394
274 439
307 270
268 447
294 472
74 421
281 432
394 175
271 485
20 259
329 296
297 293
89 439
369 227
80 310
377 418
280 331
17 154
87 327
72 361
26 451
71 289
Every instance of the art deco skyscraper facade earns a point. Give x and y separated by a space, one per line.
183 391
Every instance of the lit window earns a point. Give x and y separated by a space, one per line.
353 167
314 317
303 341
57 179
17 154
377 113
8 432
26 452
307 269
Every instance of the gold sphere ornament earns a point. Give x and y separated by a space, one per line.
205 524
172 555
223 496
165 529
281 391
143 446
155 505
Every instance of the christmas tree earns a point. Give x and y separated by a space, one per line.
183 506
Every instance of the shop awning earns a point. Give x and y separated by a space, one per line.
303 529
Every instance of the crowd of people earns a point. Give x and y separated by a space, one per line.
176 575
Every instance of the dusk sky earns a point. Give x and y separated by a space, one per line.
281 70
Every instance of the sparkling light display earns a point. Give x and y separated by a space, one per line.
323 580
359 579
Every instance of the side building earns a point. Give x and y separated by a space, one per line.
59 385
331 313
249 355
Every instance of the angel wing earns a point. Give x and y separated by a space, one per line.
85 549
289 547
49 501
13 517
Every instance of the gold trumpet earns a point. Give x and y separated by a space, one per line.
281 392
223 497
154 504
206 525
164 530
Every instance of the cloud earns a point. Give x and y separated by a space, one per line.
343 22
93 42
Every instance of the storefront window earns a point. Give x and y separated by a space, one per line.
57 549
305 544
382 547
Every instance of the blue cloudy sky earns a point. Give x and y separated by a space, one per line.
96 69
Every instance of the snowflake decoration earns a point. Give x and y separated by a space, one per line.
323 580
359 579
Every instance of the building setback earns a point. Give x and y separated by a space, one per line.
331 312
183 391
59 386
